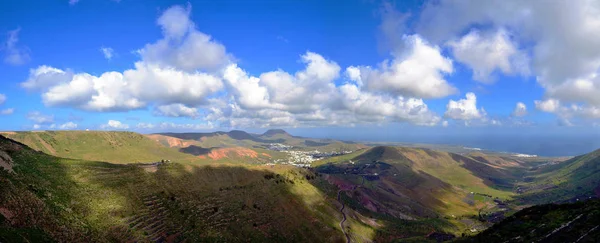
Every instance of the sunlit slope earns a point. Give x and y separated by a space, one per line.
238 138
72 200
576 178
463 172
115 147
50 198
218 148
411 184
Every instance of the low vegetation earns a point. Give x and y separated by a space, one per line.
114 147
223 187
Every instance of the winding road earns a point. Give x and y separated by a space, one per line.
339 198
343 215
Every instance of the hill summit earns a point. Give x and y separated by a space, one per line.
273 132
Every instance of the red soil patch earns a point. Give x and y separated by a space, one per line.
221 153
173 142
6 213
340 183
267 155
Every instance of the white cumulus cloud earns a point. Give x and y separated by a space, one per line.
187 73
68 126
464 109
167 74
485 53
114 124
520 110
183 46
176 110
561 38
567 111
417 72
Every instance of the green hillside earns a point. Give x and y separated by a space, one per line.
76 200
378 194
236 138
577 178
420 184
49 198
577 222
463 172
115 147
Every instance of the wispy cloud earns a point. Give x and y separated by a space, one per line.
7 111
108 52
14 54
40 118
281 38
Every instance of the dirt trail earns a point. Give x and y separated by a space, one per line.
6 161
46 145
343 215
344 206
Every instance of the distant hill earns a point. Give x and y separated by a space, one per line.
237 138
576 222
116 147
233 134
273 132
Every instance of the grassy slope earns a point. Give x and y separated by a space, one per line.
438 164
74 200
116 147
417 183
70 200
537 224
207 144
578 177
47 190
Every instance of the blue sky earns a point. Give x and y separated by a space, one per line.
315 67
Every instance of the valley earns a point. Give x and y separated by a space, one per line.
236 186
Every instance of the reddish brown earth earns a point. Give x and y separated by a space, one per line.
222 153
173 142
6 213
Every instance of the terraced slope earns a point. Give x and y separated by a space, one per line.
73 200
46 197
577 222
115 147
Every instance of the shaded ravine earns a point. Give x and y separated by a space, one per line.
343 215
